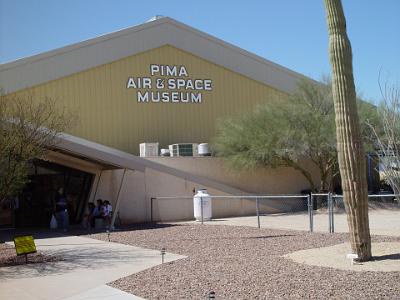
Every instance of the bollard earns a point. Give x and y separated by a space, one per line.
108 234
211 295
162 255
352 257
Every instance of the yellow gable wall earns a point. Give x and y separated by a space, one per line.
109 113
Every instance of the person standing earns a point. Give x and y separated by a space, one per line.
89 217
62 210
99 209
107 213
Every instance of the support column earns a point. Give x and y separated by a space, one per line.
116 209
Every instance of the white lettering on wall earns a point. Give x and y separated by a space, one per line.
143 97
161 88
166 97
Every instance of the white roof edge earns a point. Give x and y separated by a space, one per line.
61 62
139 27
85 43
236 48
114 157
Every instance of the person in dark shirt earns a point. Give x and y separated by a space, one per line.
98 211
61 210
89 216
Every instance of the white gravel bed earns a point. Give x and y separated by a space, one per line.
245 263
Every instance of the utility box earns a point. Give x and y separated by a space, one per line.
183 150
148 149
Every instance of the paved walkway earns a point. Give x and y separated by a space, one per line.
386 257
104 292
87 266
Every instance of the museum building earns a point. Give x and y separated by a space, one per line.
162 84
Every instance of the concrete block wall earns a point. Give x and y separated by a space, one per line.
258 181
139 187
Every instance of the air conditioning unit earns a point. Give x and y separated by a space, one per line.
148 149
183 150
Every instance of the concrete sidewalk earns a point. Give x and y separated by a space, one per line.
104 292
87 265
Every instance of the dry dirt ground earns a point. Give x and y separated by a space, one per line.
246 263
8 257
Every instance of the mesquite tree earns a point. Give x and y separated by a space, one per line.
351 155
284 133
289 132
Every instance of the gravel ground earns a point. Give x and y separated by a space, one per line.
9 258
245 263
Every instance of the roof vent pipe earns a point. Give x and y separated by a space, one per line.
156 17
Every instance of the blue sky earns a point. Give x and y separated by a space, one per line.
290 33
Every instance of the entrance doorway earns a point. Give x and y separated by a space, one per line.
36 204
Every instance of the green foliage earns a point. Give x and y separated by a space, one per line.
28 129
247 141
285 133
370 124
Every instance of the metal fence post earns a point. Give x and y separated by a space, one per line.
201 204
310 211
151 209
333 214
258 212
329 213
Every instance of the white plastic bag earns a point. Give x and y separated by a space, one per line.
53 222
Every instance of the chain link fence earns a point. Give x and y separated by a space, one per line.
276 207
383 211
329 212
323 212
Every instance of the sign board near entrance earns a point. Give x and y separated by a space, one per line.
24 244
169 84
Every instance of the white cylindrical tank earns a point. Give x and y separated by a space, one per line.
202 197
203 149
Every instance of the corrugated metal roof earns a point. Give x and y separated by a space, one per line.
55 64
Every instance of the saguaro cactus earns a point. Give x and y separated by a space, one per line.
351 155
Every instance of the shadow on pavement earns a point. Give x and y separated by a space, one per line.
79 257
270 236
395 256
45 233
37 233
75 254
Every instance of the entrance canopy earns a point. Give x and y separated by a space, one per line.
111 158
